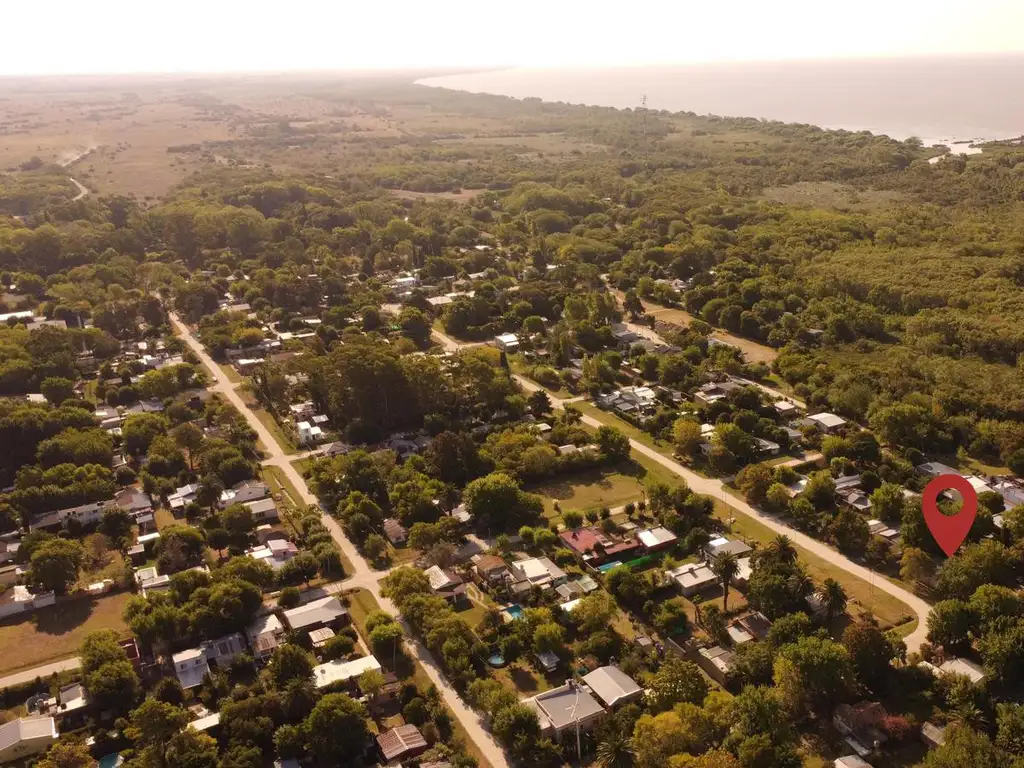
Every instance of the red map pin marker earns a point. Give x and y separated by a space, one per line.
949 530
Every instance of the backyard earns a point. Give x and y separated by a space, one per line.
56 632
599 487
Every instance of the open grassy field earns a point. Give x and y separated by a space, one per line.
600 487
57 631
284 440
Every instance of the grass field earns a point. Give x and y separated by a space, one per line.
361 604
56 632
592 489
267 419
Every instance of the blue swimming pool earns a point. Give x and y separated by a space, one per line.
496 660
608 566
515 611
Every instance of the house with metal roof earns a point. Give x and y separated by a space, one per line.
401 743
564 709
264 635
340 672
325 612
613 686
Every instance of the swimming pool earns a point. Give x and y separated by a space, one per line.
514 611
608 566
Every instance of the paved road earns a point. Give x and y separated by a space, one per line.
44 672
362 576
712 487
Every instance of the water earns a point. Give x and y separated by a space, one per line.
608 566
941 100
514 611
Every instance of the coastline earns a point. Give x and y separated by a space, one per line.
898 98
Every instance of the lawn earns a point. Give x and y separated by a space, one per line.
56 632
267 420
164 518
279 483
360 605
591 489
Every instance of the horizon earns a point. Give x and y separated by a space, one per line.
116 37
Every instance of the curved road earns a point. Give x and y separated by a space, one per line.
712 487
362 575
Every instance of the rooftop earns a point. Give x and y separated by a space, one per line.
400 741
322 611
611 685
342 671
26 729
566 704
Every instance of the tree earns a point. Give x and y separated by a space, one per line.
375 548
140 430
871 652
915 565
371 682
833 597
963 747
755 480
615 750
188 437
631 303
540 403
594 612
290 662
613 443
686 436
336 728
114 686
725 566
675 682
191 749
497 497
55 564
850 531
813 674
116 524
57 389
152 725
386 639
887 502
67 753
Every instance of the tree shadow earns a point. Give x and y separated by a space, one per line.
63 617
522 679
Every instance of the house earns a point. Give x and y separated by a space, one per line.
19 599
767 447
134 501
395 531
325 612
538 572
878 528
206 723
83 514
613 686
827 422
861 723
713 392
341 672
309 434
753 626
547 660
692 578
851 761
595 547
721 545
9 550
150 581
657 539
624 337
786 408
263 509
743 572
131 650
401 743
275 553
446 583
562 710
854 497
249 490
717 662
490 568
933 735
191 667
265 634
969 669
507 342
225 649
68 707
25 737
183 496
935 468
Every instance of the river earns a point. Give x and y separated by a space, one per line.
950 100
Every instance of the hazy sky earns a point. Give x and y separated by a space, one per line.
89 36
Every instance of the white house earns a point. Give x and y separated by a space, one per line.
249 490
340 672
309 434
25 737
827 422
264 509
538 571
507 342
265 634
